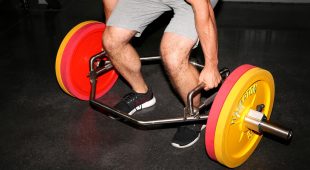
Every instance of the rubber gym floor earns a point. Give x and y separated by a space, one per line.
44 128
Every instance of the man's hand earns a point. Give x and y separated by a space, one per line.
211 76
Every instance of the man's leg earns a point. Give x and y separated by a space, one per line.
127 62
175 51
124 57
129 18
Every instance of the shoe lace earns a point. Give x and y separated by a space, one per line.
130 97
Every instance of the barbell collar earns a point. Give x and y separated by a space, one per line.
257 122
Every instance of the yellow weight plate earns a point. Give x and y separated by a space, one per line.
234 142
61 50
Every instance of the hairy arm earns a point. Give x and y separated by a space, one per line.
108 6
207 33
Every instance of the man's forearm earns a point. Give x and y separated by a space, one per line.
108 6
207 31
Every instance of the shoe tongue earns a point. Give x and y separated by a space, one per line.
130 96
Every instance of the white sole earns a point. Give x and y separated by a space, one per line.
143 106
190 144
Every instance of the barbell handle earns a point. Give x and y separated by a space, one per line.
191 95
224 74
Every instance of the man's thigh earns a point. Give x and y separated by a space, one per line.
183 21
136 14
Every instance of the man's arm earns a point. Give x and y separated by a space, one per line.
108 6
207 33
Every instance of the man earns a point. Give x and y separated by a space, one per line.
192 19
108 6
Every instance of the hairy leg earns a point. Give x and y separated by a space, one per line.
124 57
175 51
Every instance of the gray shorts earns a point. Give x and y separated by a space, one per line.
138 14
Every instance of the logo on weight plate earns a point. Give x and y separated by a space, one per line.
249 92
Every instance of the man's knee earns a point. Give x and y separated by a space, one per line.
170 57
110 40
175 60
114 38
175 56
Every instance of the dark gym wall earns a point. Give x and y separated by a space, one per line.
10 13
13 11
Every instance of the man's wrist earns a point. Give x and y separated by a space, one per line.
211 64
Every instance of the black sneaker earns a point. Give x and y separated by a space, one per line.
133 102
187 135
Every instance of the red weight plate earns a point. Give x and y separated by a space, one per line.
61 50
85 43
217 106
